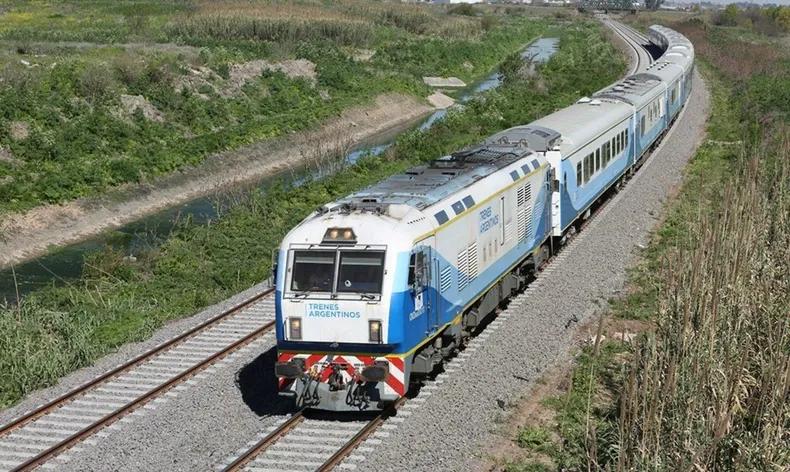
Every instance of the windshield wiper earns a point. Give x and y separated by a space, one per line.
367 296
301 294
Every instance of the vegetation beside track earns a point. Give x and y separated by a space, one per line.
98 94
58 329
704 385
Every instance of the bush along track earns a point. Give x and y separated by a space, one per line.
58 329
94 95
705 385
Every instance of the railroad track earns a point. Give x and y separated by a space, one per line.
636 42
45 432
303 444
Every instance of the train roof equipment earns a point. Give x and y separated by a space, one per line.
426 185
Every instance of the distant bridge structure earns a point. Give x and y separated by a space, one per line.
607 5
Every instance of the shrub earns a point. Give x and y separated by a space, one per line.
465 9
129 68
489 22
727 17
95 83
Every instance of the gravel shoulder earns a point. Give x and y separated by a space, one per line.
457 423
31 234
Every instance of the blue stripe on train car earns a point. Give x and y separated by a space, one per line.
570 208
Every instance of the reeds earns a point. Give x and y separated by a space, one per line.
347 22
233 28
708 390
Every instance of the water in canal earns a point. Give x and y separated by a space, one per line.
66 263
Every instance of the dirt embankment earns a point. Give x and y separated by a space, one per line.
27 235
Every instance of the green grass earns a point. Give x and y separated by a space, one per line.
66 64
59 329
535 438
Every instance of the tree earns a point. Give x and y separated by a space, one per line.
783 17
729 16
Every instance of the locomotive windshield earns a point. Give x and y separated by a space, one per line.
360 271
357 271
313 271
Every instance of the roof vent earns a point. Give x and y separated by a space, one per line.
584 100
595 102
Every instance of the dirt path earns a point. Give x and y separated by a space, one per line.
28 235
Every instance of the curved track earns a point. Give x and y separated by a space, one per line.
54 427
637 42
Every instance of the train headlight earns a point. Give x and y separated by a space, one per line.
340 236
374 331
295 328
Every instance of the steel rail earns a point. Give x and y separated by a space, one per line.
360 437
140 401
636 32
266 442
635 42
615 26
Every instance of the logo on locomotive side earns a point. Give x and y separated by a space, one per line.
488 219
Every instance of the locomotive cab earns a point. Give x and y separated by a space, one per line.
339 275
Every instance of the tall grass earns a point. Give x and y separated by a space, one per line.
230 28
709 388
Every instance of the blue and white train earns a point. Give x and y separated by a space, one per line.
377 288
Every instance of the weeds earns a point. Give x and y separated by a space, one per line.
224 28
708 388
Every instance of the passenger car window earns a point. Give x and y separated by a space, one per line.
360 271
313 271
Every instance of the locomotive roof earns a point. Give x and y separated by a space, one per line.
425 185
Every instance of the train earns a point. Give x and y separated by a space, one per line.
377 289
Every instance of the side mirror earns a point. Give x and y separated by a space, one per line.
275 260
